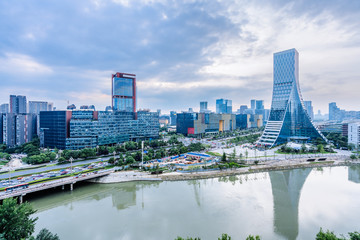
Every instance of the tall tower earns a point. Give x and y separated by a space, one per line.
123 92
17 104
288 118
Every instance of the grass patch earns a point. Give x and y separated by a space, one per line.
214 154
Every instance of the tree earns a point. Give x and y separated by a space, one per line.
354 235
15 220
224 236
45 234
320 148
251 237
111 160
233 155
223 158
129 159
326 235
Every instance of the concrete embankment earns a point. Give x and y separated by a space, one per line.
126 176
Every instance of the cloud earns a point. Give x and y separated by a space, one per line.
22 64
182 52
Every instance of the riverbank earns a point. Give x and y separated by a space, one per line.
266 166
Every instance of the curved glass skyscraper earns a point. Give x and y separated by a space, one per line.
288 118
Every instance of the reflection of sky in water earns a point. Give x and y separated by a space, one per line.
278 205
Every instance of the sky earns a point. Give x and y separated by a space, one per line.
182 52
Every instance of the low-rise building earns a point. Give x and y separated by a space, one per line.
199 123
244 121
354 134
88 129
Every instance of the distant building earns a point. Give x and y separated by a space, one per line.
36 106
84 107
17 104
172 118
88 129
51 106
4 108
191 110
200 123
17 129
71 107
244 121
253 104
334 112
203 107
309 109
124 92
223 106
242 109
354 134
108 108
92 107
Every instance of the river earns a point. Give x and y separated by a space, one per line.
291 204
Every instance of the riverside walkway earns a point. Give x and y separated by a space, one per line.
52 184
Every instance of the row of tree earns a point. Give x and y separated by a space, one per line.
321 235
150 154
316 149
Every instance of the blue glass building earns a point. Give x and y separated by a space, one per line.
223 106
88 129
288 118
124 92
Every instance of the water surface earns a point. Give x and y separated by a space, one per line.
291 204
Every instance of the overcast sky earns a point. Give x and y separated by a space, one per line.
182 52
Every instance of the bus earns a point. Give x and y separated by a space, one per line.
16 187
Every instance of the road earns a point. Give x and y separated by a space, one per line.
49 168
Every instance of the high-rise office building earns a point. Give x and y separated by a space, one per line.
203 107
223 106
36 107
259 105
172 118
17 104
242 109
309 109
334 112
288 119
4 108
253 104
17 128
123 92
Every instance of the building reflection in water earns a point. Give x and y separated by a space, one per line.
286 189
354 174
123 195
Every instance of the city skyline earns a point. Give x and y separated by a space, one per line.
60 52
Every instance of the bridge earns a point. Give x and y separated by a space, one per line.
53 184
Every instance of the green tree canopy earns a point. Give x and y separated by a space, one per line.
15 220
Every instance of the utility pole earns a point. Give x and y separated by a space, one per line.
71 160
142 153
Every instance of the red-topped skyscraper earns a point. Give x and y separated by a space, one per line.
123 92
